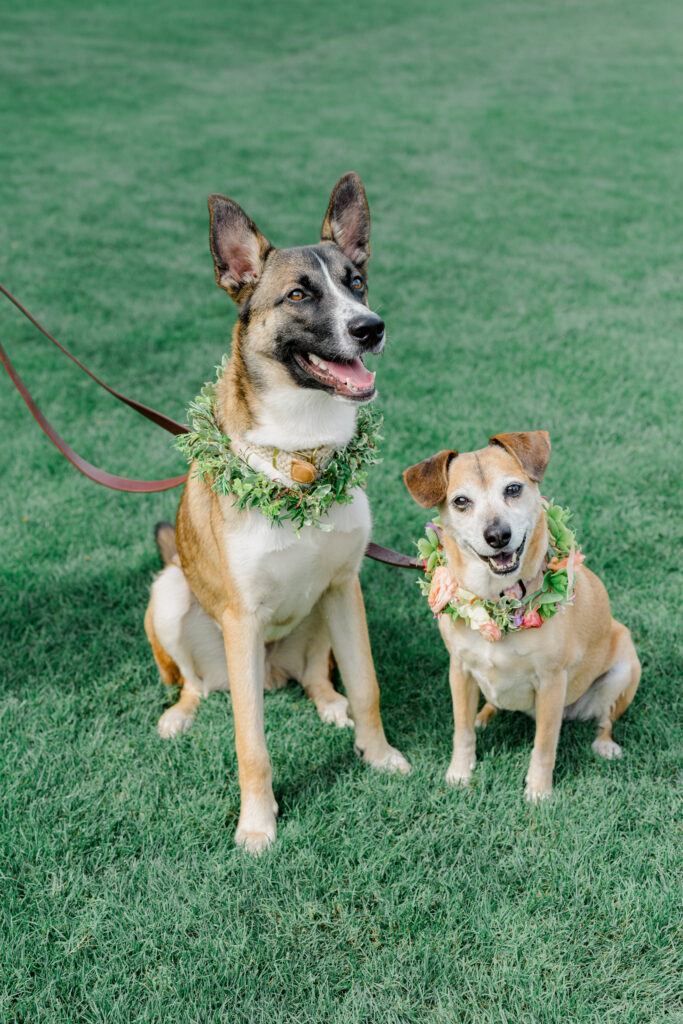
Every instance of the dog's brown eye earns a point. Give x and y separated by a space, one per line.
513 490
461 502
357 284
296 295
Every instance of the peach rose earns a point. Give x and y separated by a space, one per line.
490 631
562 563
443 589
532 620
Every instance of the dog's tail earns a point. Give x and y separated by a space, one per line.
164 535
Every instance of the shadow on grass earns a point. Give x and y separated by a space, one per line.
77 630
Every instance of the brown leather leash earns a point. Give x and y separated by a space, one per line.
122 483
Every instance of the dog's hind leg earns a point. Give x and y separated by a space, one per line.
332 706
187 646
305 655
168 670
610 694
180 716
618 686
344 612
485 715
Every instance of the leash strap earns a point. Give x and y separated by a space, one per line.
166 422
100 476
122 483
390 557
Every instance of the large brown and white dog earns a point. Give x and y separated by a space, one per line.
244 605
580 664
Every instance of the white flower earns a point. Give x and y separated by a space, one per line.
478 616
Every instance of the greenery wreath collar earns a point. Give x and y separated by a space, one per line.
521 606
228 473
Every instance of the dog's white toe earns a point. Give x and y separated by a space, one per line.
392 761
257 827
174 722
458 775
254 842
534 796
607 748
336 712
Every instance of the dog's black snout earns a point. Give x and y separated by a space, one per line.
367 329
497 534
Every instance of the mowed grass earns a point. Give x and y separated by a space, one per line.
524 165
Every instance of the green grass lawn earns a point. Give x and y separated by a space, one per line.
524 166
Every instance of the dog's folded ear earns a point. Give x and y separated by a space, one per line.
531 448
347 221
239 249
427 481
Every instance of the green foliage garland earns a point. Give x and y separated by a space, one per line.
209 448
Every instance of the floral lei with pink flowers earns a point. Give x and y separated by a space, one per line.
515 609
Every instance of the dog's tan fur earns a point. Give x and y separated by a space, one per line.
580 664
244 605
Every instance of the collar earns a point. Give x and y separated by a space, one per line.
270 487
300 467
521 588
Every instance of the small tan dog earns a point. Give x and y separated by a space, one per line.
581 664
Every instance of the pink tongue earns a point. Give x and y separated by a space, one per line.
359 376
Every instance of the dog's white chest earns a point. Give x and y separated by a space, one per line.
504 672
280 576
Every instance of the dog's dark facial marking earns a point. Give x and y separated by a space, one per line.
316 304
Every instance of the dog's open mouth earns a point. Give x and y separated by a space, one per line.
350 379
505 562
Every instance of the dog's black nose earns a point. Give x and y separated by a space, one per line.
367 329
497 534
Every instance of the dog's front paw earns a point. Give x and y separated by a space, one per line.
257 828
539 779
336 712
390 760
255 842
460 771
534 796
174 722
607 748
537 789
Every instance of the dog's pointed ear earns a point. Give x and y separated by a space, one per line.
347 221
238 248
427 481
531 448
